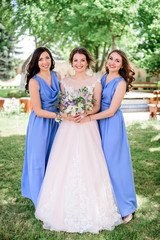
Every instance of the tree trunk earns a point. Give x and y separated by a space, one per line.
96 53
113 42
35 40
103 56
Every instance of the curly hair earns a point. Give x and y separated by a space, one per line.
126 71
84 51
33 68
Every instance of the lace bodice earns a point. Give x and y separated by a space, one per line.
70 89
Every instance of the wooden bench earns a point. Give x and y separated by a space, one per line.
154 106
149 86
27 104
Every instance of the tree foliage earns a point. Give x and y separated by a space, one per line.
96 24
148 26
6 54
99 25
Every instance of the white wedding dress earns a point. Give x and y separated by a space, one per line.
76 195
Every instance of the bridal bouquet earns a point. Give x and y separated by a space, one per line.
77 101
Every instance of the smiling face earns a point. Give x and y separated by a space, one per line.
79 62
44 62
114 62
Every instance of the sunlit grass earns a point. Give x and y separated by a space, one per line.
13 124
17 213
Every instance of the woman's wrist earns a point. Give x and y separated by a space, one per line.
85 114
89 117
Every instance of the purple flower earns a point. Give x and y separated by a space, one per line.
84 101
73 103
65 104
84 94
76 92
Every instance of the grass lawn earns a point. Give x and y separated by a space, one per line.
17 213
9 93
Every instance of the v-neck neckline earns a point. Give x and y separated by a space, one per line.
45 81
105 84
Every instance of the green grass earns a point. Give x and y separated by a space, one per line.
9 93
17 213
4 92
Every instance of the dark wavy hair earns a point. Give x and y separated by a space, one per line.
126 71
32 67
81 50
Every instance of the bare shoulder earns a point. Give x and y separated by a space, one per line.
122 83
33 83
96 80
58 75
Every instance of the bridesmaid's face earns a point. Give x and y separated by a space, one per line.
79 62
114 62
44 62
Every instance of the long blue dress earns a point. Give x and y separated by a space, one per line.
116 150
40 135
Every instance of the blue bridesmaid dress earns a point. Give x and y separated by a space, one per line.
40 135
116 150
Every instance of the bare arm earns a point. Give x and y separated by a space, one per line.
97 96
59 76
116 101
36 101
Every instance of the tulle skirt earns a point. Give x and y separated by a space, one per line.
76 194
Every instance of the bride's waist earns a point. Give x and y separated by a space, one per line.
79 123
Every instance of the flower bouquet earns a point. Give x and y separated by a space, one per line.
77 101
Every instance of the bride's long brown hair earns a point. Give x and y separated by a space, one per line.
126 71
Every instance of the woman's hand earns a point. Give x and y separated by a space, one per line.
86 119
67 117
82 119
79 117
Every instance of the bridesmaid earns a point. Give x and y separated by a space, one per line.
43 85
115 83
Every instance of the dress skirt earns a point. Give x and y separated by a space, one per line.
76 194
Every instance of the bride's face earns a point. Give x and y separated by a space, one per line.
79 62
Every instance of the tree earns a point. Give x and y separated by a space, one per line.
96 24
148 29
6 54
41 19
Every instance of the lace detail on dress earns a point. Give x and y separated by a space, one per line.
85 209
76 200
70 89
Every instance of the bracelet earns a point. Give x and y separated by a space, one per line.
89 118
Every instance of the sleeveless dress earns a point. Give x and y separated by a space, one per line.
116 150
76 194
39 138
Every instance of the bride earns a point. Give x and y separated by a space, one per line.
76 195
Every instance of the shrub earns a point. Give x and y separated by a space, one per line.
17 94
138 80
12 106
